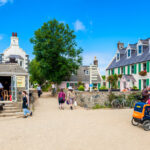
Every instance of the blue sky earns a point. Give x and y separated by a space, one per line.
98 24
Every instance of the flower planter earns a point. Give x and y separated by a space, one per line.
134 89
105 90
143 73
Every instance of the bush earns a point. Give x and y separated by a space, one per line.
111 97
97 106
120 76
81 88
46 87
135 88
103 88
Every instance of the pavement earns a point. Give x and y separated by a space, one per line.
80 129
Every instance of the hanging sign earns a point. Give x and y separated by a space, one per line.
20 81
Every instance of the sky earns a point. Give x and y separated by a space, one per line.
98 24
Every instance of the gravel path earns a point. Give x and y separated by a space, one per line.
53 129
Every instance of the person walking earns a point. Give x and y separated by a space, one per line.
25 105
39 91
70 97
53 89
145 94
1 89
61 99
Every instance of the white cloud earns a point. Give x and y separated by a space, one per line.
3 2
1 37
79 26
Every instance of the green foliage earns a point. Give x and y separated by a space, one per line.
81 88
56 51
80 83
97 106
113 80
104 77
120 76
135 88
36 75
46 87
111 97
103 88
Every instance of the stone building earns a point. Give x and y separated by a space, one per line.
133 62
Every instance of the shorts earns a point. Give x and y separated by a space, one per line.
61 101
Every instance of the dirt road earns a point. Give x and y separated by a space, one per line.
53 129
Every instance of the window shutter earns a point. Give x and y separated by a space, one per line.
128 69
109 85
139 84
119 84
113 71
139 67
118 70
124 70
99 85
67 85
134 68
147 66
147 82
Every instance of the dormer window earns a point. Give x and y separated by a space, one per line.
118 56
129 53
140 49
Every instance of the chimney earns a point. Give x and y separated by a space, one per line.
120 45
16 34
95 61
13 34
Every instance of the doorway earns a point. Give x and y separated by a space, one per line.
144 84
5 90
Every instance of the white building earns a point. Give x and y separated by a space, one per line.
15 54
133 62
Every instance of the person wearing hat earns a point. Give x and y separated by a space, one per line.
70 97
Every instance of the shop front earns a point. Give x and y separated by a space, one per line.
14 80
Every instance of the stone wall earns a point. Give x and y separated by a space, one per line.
88 100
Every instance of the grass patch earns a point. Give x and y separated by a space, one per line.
97 106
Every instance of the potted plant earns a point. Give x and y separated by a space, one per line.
103 88
143 73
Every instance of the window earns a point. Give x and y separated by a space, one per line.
129 53
132 69
86 72
21 63
144 66
118 56
121 70
140 49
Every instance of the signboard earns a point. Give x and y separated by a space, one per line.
91 85
20 81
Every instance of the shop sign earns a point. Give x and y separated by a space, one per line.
20 81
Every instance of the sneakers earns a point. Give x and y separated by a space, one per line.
71 107
25 116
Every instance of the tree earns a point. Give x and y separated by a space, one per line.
56 51
104 77
35 72
113 80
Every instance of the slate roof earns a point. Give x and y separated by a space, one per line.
15 56
124 61
12 69
81 76
129 77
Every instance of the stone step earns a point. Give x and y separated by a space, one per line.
18 114
10 111
11 108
